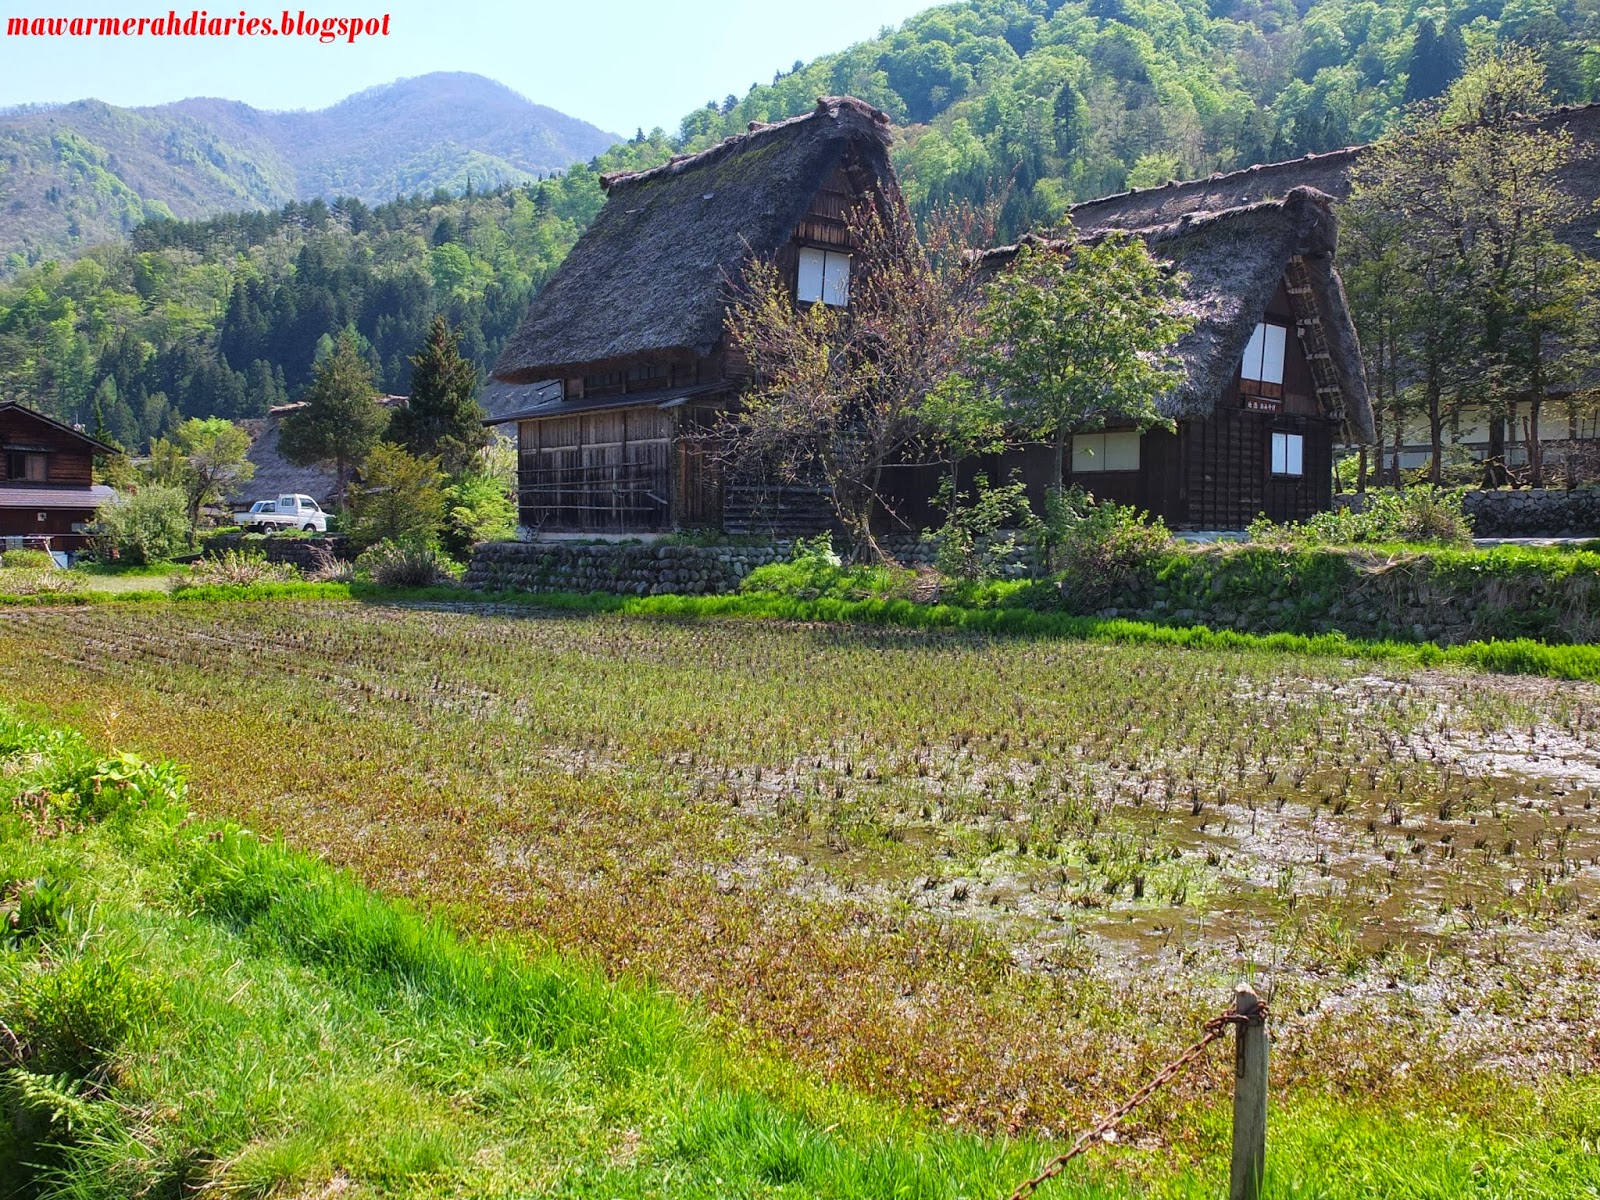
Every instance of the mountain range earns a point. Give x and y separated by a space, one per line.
79 173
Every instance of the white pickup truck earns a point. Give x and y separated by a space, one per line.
286 512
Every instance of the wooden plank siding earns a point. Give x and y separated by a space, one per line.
68 459
600 472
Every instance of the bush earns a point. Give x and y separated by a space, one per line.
479 508
814 572
27 560
327 567
1424 516
236 568
150 525
412 564
1107 552
981 528
33 581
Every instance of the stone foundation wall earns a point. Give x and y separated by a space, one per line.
1547 512
627 569
303 553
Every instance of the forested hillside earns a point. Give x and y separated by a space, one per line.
80 173
1040 101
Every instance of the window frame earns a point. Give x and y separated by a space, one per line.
1100 456
28 460
831 289
1267 331
1294 464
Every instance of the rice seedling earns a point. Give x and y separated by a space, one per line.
989 878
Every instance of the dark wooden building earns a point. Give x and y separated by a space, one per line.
1274 375
617 373
48 495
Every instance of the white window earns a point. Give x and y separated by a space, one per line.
1263 357
1288 454
825 276
1105 452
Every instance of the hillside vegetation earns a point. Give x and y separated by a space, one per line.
1041 102
80 173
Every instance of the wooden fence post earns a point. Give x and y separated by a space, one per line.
1249 1096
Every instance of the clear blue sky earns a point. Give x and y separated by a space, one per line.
617 63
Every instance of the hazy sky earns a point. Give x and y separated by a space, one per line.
617 63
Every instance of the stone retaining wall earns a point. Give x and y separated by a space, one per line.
303 553
629 569
1547 512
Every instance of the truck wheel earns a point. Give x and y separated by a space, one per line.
308 527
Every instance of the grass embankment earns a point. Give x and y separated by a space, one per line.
190 1008
1521 656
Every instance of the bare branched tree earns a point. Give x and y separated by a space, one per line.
842 392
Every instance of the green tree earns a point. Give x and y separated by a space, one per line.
206 458
443 416
342 419
400 498
1437 60
1074 334
1491 290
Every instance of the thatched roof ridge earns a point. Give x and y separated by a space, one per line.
1232 262
649 277
1328 172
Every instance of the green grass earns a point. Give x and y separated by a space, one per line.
196 1009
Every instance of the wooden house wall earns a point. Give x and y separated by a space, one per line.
68 460
599 472
58 524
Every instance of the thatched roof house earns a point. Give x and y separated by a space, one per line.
1274 374
616 372
648 278
1233 263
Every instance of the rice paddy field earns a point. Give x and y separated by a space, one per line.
995 882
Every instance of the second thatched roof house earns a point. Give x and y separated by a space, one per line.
616 374
1274 373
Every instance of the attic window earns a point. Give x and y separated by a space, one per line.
1263 357
824 276
26 465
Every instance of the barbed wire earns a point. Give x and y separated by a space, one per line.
1212 1030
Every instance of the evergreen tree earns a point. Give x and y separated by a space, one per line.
443 417
1437 60
342 419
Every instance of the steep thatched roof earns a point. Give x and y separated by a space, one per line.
1139 208
650 274
1233 261
276 475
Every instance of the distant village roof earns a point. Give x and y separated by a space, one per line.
75 431
1328 173
57 496
650 274
1233 261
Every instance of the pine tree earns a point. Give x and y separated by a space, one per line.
443 418
342 419
1437 60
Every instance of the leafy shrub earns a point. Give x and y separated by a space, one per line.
1108 551
1425 516
478 508
814 571
236 568
405 564
150 525
982 526
27 560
